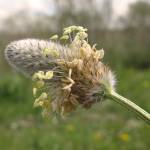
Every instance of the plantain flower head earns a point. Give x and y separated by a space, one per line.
67 71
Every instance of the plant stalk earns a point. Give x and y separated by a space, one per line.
145 116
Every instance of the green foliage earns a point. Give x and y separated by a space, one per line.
139 14
14 89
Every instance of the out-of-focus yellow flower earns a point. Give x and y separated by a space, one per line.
124 137
97 136
70 127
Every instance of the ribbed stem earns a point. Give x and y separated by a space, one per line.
130 105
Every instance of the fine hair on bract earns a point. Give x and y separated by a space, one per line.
67 72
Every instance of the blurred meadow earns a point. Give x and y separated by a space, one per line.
107 126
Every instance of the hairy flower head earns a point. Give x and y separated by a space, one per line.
67 72
65 75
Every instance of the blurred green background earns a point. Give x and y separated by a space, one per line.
106 126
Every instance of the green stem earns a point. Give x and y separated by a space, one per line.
131 106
